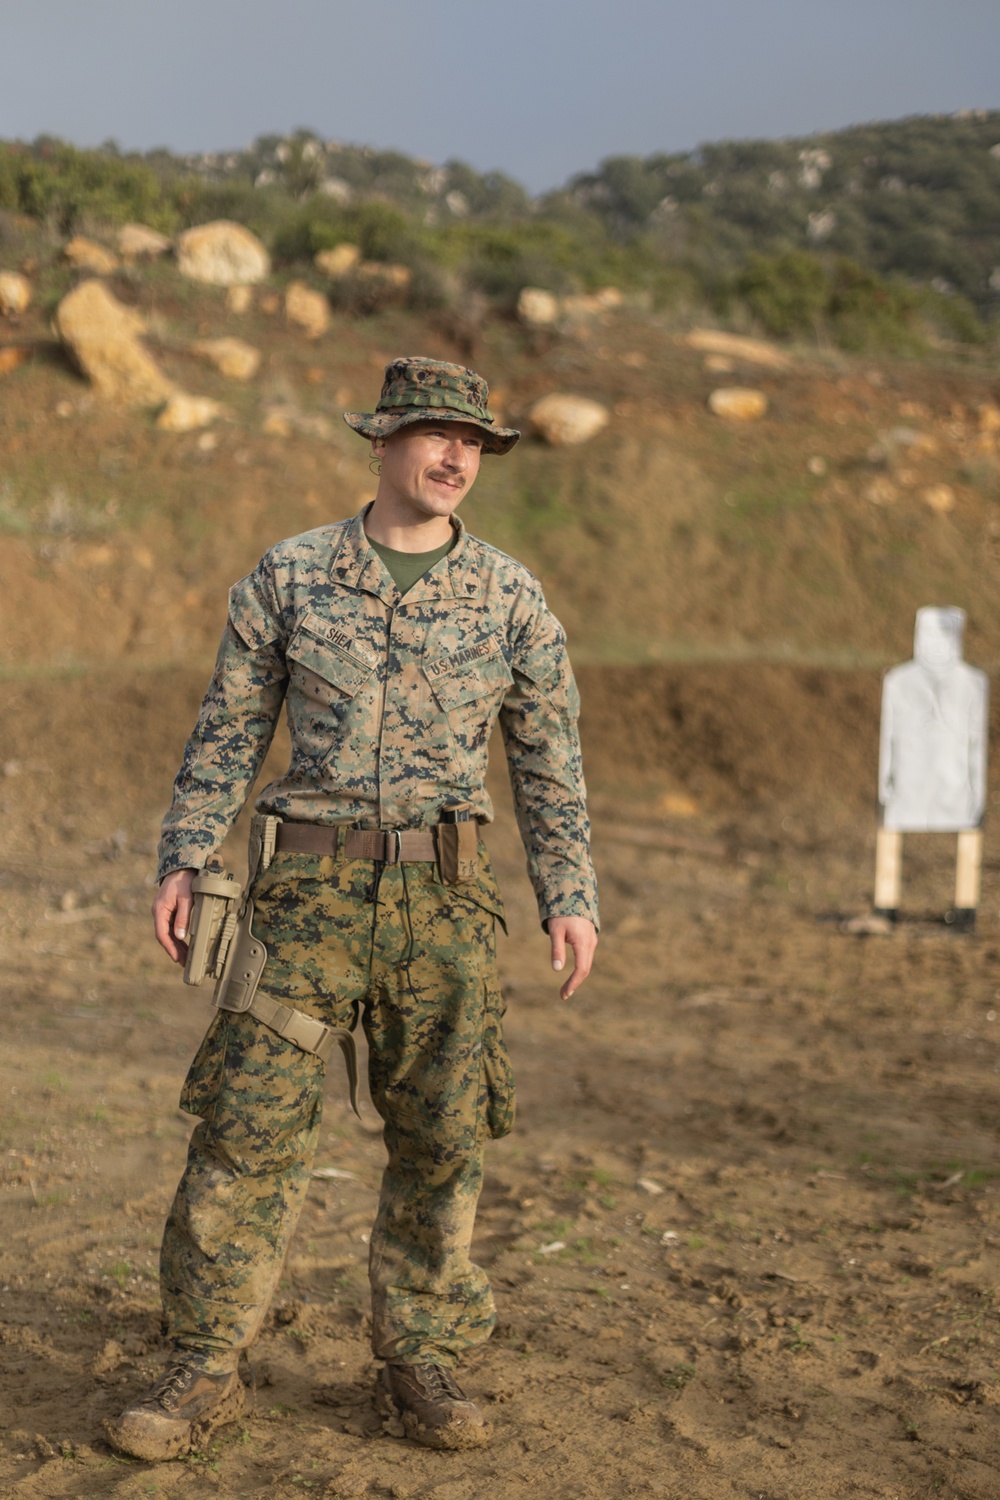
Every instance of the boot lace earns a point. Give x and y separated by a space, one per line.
438 1381
168 1391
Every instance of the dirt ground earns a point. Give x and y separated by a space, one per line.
744 1239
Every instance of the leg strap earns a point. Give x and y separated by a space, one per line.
237 991
311 1035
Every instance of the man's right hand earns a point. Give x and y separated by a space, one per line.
172 913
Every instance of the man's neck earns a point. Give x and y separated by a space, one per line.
403 534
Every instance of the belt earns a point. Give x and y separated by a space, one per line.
390 846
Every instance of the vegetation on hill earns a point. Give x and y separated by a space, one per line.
870 237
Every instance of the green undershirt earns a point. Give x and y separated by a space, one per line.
407 568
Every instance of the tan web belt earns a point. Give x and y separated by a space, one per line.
390 846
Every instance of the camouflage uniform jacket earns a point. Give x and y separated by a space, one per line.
390 704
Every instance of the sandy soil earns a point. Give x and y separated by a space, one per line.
745 1236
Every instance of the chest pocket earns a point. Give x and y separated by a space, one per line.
325 670
484 678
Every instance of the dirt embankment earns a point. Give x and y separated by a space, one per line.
745 1237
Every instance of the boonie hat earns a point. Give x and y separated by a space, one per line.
431 390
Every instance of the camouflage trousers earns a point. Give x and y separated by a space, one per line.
418 961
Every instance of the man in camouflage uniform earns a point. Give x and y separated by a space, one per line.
395 641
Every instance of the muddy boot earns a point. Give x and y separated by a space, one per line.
434 1408
178 1415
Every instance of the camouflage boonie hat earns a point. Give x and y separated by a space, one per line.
431 390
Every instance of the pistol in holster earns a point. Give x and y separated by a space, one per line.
238 965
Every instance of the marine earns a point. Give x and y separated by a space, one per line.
393 642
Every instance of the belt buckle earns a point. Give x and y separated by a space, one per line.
396 846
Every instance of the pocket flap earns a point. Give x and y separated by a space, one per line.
482 676
320 647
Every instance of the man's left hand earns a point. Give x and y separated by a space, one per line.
580 934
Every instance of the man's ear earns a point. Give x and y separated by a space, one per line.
378 446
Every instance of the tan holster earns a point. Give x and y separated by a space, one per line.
236 989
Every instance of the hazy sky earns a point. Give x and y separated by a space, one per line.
537 88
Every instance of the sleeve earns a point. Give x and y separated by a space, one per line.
233 731
538 722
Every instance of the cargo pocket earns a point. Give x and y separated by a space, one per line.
204 1079
498 1076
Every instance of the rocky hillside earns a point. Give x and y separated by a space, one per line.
721 499
872 237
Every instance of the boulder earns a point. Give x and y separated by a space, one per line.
15 293
139 242
184 413
12 355
307 309
734 346
103 338
939 498
222 254
738 403
383 273
563 419
88 255
591 304
338 262
238 300
537 308
231 357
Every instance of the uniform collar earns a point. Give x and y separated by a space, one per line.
357 566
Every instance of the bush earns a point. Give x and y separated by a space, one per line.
786 293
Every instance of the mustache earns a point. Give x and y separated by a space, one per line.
447 476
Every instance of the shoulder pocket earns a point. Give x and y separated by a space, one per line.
316 645
249 615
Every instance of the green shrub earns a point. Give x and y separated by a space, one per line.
786 293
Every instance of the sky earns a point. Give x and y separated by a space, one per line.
539 89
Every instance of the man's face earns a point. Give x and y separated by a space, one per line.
429 467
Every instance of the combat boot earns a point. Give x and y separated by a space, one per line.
434 1409
179 1414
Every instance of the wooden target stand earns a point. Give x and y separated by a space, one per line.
968 873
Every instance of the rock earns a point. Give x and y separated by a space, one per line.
391 277
231 357
13 355
563 419
989 416
15 293
738 403
537 308
222 254
881 492
590 304
939 498
817 465
338 262
901 442
103 338
870 925
184 413
139 242
277 424
719 364
306 308
238 300
752 351
286 419
88 255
